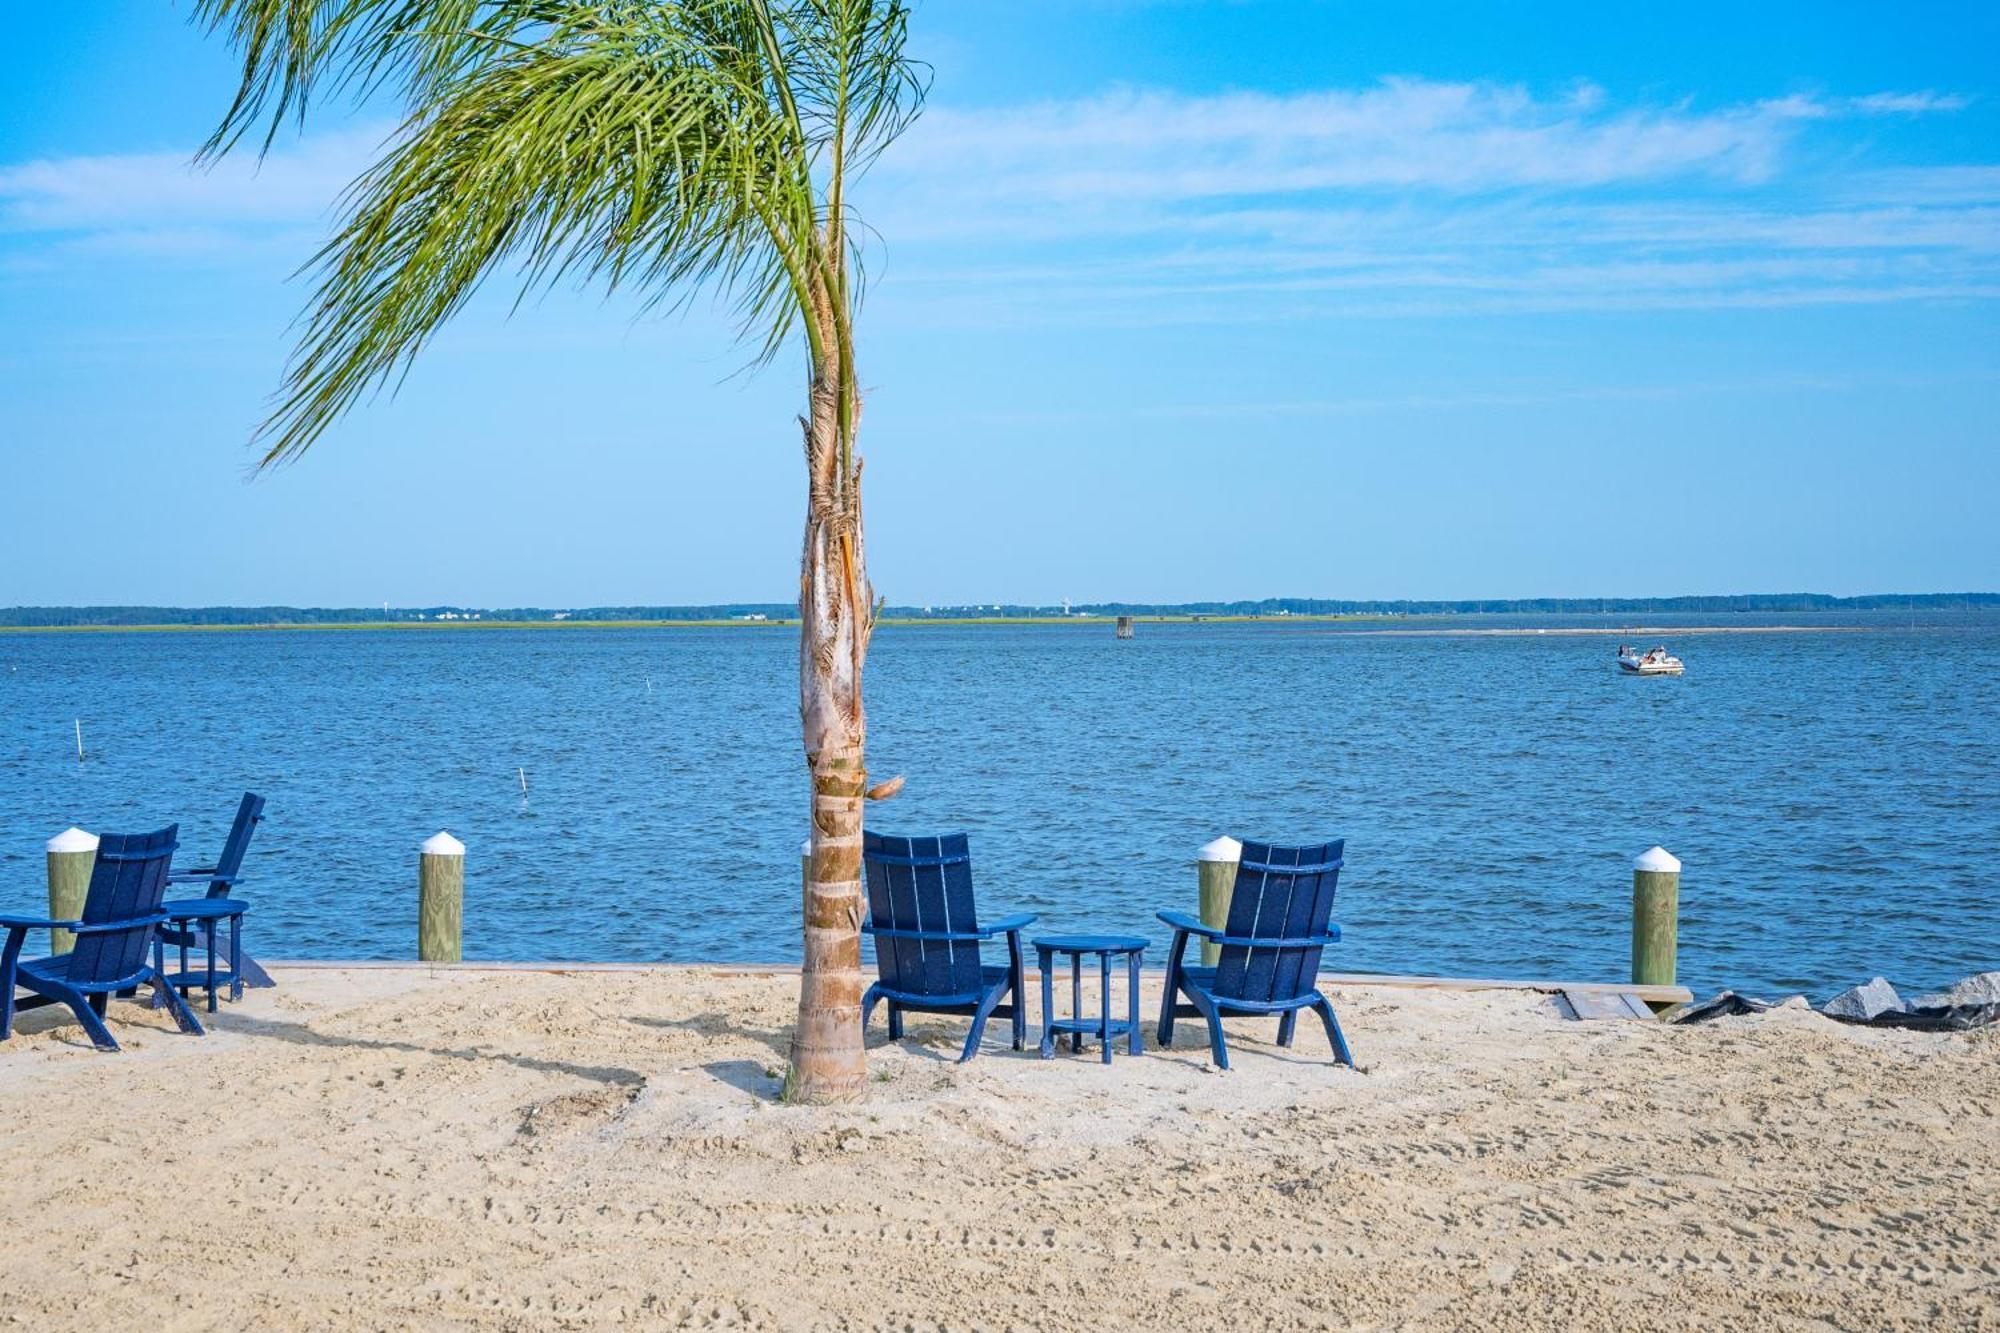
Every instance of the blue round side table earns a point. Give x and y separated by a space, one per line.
194 919
1104 1027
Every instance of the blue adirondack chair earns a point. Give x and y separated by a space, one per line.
193 921
114 937
927 938
1279 922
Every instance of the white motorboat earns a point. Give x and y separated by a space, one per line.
1658 662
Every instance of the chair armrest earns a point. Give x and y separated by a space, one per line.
1183 921
37 923
1009 924
108 927
1189 922
194 876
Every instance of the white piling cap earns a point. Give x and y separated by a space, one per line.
1658 860
1222 849
73 840
806 847
443 844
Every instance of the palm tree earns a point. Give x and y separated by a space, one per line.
666 146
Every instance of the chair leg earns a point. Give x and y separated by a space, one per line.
979 1017
86 1009
1168 987
236 957
10 971
158 1001
895 1021
868 1002
1287 1025
1017 982
1218 1050
1334 1037
184 1017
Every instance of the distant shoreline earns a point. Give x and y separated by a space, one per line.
707 615
791 623
1101 622
1619 631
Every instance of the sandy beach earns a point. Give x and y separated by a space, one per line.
406 1148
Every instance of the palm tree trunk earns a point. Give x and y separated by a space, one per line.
835 617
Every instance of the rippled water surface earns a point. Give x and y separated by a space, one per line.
1835 796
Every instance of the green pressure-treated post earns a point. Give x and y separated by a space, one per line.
72 853
1215 876
1656 912
440 899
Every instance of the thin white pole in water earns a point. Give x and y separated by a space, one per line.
79 740
522 773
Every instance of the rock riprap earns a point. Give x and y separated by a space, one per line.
1863 1003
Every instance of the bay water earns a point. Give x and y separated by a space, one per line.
1834 795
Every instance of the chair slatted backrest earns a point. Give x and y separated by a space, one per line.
1281 893
922 884
127 882
230 863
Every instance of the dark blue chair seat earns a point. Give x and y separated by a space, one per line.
114 936
56 967
989 974
927 938
1279 925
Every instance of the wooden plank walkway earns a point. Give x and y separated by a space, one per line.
1585 1006
1654 994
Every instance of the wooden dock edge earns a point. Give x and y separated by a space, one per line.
1650 994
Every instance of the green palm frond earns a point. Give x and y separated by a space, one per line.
671 148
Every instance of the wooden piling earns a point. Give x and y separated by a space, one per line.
71 855
1215 879
1656 904
440 899
1124 630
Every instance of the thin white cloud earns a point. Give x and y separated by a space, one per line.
1406 197
1910 104
140 192
1482 399
1422 198
1403 134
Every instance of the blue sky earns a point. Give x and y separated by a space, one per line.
1173 300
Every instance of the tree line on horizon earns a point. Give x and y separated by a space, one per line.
59 617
